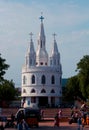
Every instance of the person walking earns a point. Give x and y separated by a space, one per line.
25 125
56 120
60 113
20 125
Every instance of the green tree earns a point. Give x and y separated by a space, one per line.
3 68
7 91
83 75
78 86
72 89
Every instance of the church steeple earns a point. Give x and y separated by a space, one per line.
41 55
41 39
55 48
31 55
55 55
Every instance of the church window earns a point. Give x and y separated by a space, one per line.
54 61
52 79
43 79
28 102
33 99
50 62
52 91
43 91
33 79
58 62
41 63
53 101
24 90
33 91
24 79
30 61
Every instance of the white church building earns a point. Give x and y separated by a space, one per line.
41 74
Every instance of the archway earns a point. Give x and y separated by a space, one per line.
43 101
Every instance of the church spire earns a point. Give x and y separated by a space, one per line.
55 48
31 55
55 55
31 47
41 38
41 55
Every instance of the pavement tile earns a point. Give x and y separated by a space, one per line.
50 126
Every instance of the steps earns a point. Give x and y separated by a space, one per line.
51 112
9 111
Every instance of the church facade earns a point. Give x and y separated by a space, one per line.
41 74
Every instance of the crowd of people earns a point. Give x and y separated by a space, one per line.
77 116
81 114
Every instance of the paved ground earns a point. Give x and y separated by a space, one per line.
49 125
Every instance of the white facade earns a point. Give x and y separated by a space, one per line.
41 75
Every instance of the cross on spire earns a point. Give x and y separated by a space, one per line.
41 18
54 34
31 34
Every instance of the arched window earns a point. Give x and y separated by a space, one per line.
33 99
33 91
33 79
52 79
58 62
54 61
50 62
43 79
24 79
43 91
52 91
24 90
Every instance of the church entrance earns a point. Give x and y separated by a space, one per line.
52 101
43 101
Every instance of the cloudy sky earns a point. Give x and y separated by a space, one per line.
69 19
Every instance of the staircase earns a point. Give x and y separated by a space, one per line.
49 113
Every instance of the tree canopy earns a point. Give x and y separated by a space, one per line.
7 88
78 86
3 68
7 92
83 75
72 89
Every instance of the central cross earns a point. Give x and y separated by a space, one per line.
54 34
31 34
41 17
